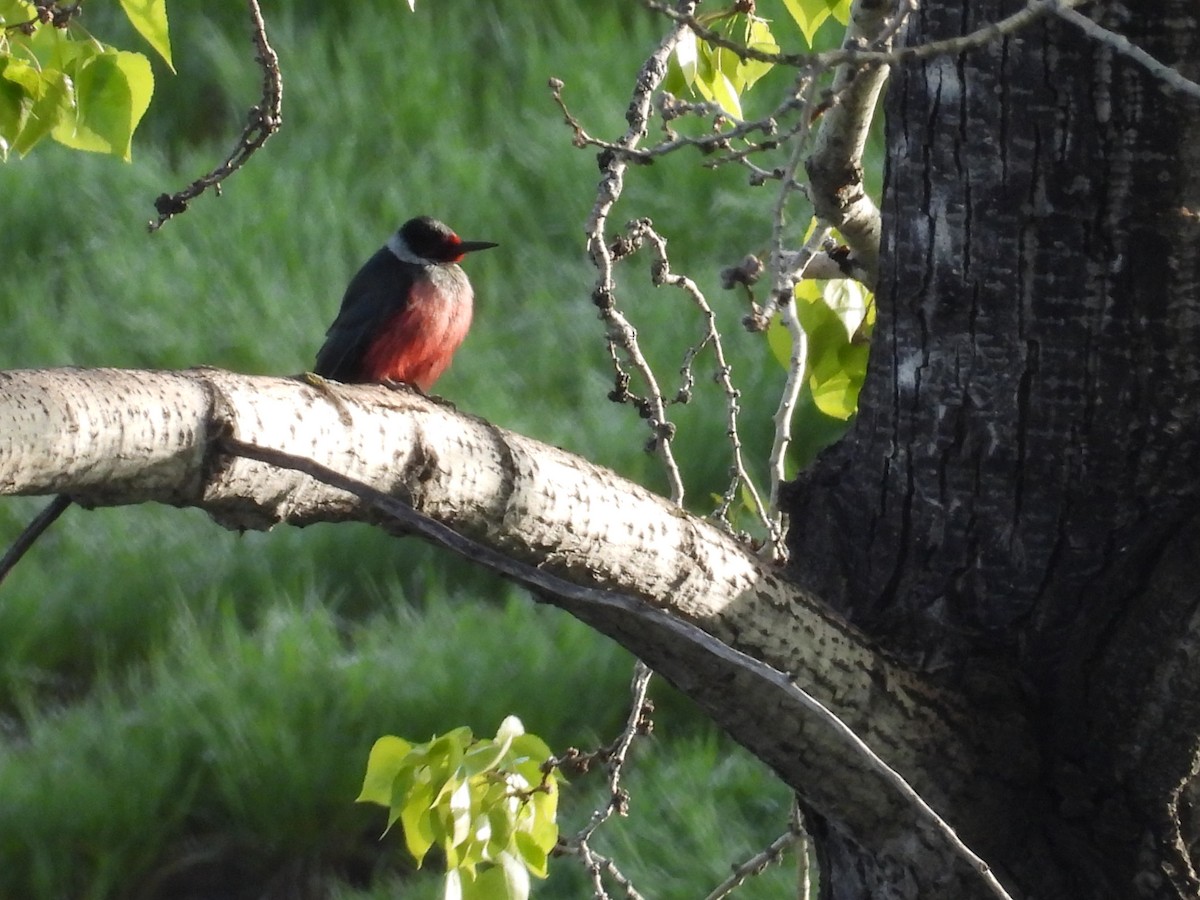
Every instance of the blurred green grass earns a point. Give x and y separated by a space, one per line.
182 709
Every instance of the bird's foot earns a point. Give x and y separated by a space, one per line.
393 385
326 387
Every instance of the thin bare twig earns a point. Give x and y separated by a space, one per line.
705 143
905 8
264 120
598 866
642 231
615 757
621 333
1118 42
799 828
47 12
784 273
755 865
797 365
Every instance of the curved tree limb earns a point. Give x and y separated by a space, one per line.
762 657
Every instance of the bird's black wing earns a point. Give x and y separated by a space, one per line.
375 294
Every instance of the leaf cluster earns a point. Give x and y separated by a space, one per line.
837 316
486 804
719 74
58 80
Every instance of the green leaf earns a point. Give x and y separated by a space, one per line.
13 111
410 774
823 325
458 818
530 746
713 84
383 765
840 10
809 15
527 755
545 810
51 105
726 95
535 856
20 73
507 880
510 729
112 92
56 49
149 17
836 367
516 877
812 431
14 12
483 756
19 83
445 754
779 342
729 64
681 71
758 37
835 391
484 803
851 301
416 817
835 316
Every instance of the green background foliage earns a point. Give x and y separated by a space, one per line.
184 708
58 79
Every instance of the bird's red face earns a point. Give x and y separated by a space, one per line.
430 239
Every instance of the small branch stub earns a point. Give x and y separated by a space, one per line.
263 121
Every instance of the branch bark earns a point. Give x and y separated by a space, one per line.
834 167
113 437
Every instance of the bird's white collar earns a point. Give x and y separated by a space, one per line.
402 252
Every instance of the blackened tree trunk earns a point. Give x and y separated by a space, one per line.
1016 507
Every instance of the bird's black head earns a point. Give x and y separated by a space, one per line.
433 240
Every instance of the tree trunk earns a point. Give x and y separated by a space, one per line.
1015 508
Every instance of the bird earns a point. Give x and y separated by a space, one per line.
405 312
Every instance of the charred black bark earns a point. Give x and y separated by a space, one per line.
1025 462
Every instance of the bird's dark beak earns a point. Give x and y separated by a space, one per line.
472 246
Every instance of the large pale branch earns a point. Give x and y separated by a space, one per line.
115 437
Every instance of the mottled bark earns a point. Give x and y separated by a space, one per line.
1018 494
107 436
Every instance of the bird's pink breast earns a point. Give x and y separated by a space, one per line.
416 345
